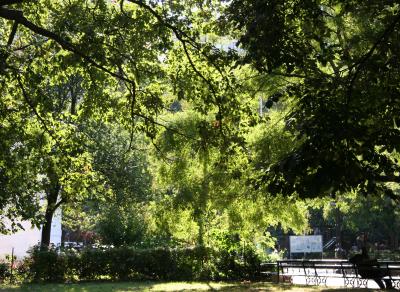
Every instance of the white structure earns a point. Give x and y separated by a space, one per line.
306 244
25 239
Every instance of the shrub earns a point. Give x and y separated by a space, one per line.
128 263
250 267
4 271
48 266
93 263
191 263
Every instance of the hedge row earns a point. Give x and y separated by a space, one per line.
126 263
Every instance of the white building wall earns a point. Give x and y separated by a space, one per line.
25 239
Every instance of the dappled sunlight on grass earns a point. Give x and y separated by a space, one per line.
187 286
165 286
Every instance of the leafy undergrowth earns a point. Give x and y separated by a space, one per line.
164 286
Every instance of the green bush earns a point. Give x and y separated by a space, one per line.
4 271
93 264
191 263
128 263
48 266
250 267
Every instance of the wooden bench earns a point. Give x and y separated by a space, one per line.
317 272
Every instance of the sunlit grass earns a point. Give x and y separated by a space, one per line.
163 286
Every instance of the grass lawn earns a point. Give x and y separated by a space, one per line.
166 286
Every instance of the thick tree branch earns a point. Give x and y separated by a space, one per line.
21 19
12 34
389 178
10 2
59 203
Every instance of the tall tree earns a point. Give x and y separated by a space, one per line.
120 215
116 49
204 191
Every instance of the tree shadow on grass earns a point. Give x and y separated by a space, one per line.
80 287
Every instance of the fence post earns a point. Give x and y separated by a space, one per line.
12 265
277 265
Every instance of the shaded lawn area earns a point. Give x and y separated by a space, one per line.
166 286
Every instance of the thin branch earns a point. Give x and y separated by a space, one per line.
290 75
161 153
208 82
183 38
176 31
33 108
22 48
132 91
335 68
151 120
359 64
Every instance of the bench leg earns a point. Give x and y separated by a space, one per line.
380 283
388 283
321 280
353 282
362 283
312 280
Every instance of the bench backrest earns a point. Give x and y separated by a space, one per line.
368 270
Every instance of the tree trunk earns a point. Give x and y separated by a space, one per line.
202 204
394 241
52 197
200 238
74 100
63 235
46 229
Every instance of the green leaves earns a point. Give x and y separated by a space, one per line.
336 56
83 78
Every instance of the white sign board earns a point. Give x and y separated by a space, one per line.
306 243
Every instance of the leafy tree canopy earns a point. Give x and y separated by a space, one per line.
339 64
66 62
